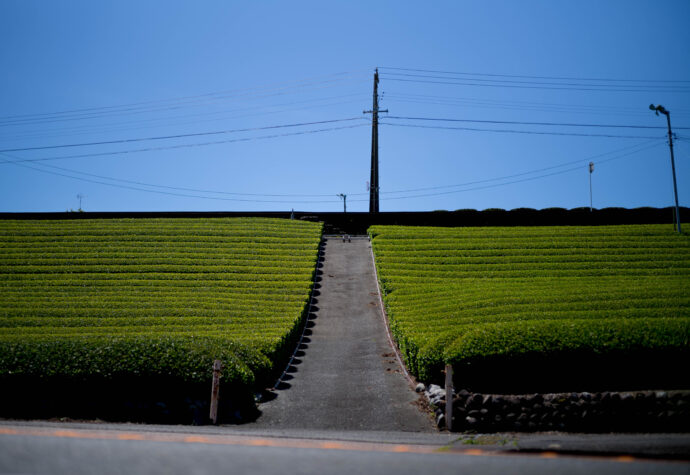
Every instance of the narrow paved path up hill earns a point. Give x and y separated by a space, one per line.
346 376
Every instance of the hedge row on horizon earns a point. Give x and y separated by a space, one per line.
465 296
163 297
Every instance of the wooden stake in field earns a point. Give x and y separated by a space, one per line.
449 397
217 366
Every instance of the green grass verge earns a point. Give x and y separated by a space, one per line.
483 297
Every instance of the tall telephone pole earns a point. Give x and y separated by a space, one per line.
374 182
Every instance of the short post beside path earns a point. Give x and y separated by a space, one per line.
449 397
215 387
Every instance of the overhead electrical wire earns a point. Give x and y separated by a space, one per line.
511 82
178 136
120 114
520 105
186 100
158 122
192 101
178 188
172 147
526 86
512 131
496 185
184 195
514 122
629 149
536 77
638 147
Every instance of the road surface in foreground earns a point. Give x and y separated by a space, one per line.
70 449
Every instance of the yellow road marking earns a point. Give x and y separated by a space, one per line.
130 436
231 439
196 439
548 455
473 452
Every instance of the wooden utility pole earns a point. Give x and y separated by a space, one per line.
374 182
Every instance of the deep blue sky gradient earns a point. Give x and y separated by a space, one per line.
136 69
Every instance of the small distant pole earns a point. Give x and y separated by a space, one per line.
661 109
344 198
292 213
80 197
215 386
591 169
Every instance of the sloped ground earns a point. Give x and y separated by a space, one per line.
345 376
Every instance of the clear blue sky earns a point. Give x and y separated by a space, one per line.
82 71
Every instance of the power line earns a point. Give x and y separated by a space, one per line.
639 147
332 201
171 147
515 105
512 122
184 195
536 83
509 131
195 190
526 86
536 77
139 106
140 112
165 121
178 136
579 167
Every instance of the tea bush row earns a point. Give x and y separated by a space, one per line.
467 296
113 298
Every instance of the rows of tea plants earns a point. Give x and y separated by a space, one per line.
162 297
465 296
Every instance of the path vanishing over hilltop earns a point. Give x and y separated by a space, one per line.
345 376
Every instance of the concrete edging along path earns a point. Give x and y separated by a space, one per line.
345 375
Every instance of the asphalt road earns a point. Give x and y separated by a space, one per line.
346 376
64 448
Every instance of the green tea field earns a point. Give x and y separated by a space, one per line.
511 303
152 298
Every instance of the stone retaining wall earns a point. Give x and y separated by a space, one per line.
637 411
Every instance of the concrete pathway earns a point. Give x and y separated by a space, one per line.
346 376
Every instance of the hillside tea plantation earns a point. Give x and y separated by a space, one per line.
152 298
482 299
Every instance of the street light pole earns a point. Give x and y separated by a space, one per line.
661 109
591 169
344 198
